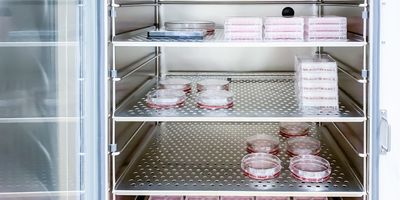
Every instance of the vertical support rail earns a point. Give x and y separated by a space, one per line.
113 16
365 90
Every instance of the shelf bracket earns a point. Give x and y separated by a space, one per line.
113 12
364 73
113 150
365 14
114 74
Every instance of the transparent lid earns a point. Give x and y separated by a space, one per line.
263 144
165 98
215 99
190 25
310 168
294 129
261 166
212 84
303 145
176 84
243 20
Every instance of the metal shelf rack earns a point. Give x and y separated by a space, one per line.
266 98
139 38
185 158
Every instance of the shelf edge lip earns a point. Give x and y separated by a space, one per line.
238 44
39 193
238 193
37 120
239 119
37 44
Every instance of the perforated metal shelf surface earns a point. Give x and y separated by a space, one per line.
256 98
185 158
218 40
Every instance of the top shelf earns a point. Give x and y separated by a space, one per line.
139 38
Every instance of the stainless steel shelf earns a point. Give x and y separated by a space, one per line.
202 158
139 38
257 98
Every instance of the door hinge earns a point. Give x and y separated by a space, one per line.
364 73
113 149
385 133
114 75
365 14
113 12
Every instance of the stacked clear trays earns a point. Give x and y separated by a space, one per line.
261 166
284 28
310 168
326 28
243 28
317 84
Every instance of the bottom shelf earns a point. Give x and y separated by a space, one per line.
204 159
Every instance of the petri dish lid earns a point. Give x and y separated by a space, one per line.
176 84
215 99
310 168
261 166
165 98
262 144
212 84
294 129
190 25
303 145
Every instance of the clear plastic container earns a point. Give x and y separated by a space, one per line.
209 26
166 198
303 145
215 99
283 20
244 20
325 20
262 144
212 84
284 28
176 84
284 36
243 28
261 166
294 129
272 198
202 198
327 27
165 98
237 198
326 35
310 198
243 35
310 168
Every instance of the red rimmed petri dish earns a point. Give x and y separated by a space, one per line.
165 98
209 26
261 166
215 99
294 129
176 84
212 84
237 198
310 168
303 145
263 144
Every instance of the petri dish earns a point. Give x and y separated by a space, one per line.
261 166
209 26
176 84
165 98
310 168
212 84
215 99
303 145
294 129
262 144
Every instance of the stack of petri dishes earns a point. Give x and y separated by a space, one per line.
310 168
208 26
214 94
284 28
243 28
165 98
326 28
261 166
294 129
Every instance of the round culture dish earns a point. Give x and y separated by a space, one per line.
190 26
212 84
176 84
263 144
310 168
294 129
303 145
165 98
261 166
215 99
